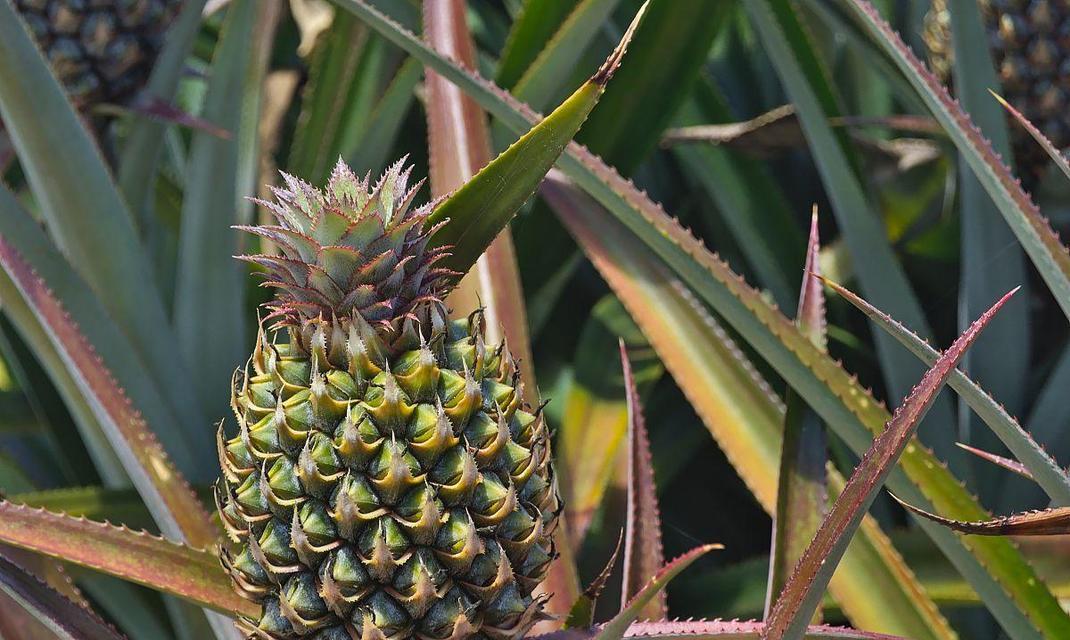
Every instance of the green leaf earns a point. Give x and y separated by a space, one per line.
210 284
479 209
1043 468
594 421
542 78
802 494
47 607
140 156
880 275
615 628
84 210
138 557
1033 232
372 149
536 24
873 584
998 571
802 593
991 262
581 614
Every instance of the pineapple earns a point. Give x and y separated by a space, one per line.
1030 48
101 50
385 480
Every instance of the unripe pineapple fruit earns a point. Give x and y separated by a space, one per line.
1030 45
385 480
101 50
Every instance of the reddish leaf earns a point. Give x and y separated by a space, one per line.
805 587
1042 140
728 629
1044 522
581 615
643 554
135 556
802 491
1006 463
616 628
158 109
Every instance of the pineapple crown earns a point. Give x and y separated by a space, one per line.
351 252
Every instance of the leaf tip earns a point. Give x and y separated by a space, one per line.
609 67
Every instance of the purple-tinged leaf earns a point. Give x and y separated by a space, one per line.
643 552
1033 232
1049 475
617 627
802 491
717 629
1043 522
47 608
581 615
810 316
139 557
1008 464
173 504
163 111
806 586
1056 155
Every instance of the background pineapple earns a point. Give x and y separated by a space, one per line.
385 481
101 50
1029 43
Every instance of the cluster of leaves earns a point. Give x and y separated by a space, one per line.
120 297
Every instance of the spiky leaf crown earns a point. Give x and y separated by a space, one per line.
351 250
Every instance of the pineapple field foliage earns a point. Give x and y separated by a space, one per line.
665 336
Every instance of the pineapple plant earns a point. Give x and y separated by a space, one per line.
102 52
382 476
1027 41
386 480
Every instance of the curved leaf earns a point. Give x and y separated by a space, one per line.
135 556
479 209
717 629
616 628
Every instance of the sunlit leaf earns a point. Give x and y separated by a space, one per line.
135 556
1043 522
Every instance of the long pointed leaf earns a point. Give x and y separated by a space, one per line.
138 557
803 591
718 630
581 615
210 285
802 495
480 208
643 554
617 627
140 155
1046 471
1045 522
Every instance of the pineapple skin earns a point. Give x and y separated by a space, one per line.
101 50
1030 45
385 481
